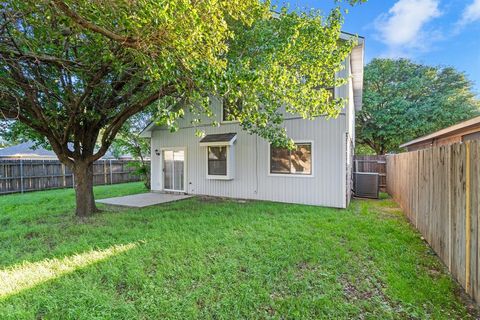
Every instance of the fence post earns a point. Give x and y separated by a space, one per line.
467 217
111 173
449 203
63 175
21 175
45 180
105 178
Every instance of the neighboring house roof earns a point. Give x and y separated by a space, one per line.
27 150
462 128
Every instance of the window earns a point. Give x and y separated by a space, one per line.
220 155
332 92
297 161
231 109
329 89
217 161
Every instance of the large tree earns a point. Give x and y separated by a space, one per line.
403 100
74 71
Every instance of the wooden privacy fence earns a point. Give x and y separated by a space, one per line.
438 189
18 175
375 164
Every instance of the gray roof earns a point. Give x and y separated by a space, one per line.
28 150
221 137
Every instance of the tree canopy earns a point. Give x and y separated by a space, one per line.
403 100
74 71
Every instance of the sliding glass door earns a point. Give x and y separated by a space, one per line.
174 170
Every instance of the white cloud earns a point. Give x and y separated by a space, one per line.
471 13
403 27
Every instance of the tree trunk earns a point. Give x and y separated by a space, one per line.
146 171
83 172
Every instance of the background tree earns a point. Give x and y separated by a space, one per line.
75 71
128 142
3 130
3 143
404 100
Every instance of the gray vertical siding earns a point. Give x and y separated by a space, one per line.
333 149
252 180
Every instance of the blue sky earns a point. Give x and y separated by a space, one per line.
434 32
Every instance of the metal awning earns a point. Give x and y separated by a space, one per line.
220 139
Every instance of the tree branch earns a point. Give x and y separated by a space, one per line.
127 41
117 122
97 77
38 57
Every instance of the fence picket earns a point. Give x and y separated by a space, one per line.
20 175
438 189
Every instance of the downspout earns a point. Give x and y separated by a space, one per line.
256 166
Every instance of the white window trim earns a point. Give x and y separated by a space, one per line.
292 175
230 162
185 167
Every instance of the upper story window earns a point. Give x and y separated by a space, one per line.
231 109
332 92
292 162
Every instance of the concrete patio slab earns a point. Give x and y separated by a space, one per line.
143 199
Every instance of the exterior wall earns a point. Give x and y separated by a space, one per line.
468 130
332 158
252 180
443 141
435 143
471 136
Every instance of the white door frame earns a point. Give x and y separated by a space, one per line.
162 178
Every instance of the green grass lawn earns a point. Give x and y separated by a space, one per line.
205 258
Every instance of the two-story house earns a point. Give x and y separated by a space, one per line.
229 162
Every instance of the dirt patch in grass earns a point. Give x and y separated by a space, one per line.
304 268
365 289
221 199
473 309
370 289
211 199
385 209
5 221
31 235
